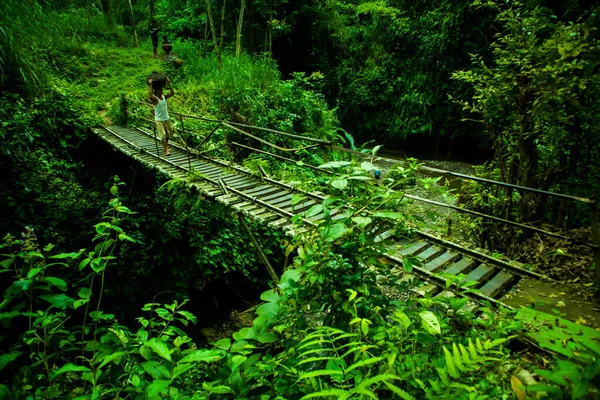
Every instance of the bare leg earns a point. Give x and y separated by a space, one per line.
155 53
165 146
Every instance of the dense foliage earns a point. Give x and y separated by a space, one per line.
340 323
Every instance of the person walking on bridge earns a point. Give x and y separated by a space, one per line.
164 127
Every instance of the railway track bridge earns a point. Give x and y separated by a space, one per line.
276 203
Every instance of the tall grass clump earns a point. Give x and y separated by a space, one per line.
251 90
34 40
25 33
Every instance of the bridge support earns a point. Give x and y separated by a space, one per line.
261 254
596 239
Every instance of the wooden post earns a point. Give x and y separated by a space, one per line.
261 254
155 140
187 149
124 110
596 239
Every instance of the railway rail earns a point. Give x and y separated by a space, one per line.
275 203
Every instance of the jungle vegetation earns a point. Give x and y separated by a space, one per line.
108 272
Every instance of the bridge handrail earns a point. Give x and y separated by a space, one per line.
220 121
595 220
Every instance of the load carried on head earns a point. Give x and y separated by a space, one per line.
159 80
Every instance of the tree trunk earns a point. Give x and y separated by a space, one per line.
251 49
222 27
133 24
238 37
152 2
214 34
205 37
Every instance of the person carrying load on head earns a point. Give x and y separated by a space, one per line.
164 127
154 36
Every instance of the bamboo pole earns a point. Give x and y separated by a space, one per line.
187 149
596 239
261 253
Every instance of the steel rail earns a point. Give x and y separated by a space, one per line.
291 135
267 142
441 282
244 171
502 220
432 277
483 257
282 158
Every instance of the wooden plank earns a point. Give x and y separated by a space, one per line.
279 222
269 199
427 290
233 179
301 206
498 284
229 199
479 274
414 248
266 217
244 186
336 214
430 253
438 262
260 189
264 193
281 202
461 266
383 236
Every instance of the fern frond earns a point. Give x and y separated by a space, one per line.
338 393
316 359
362 348
465 353
320 372
378 378
399 392
364 362
319 342
319 350
365 392
345 335
457 358
472 349
450 365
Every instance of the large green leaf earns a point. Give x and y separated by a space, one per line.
245 333
59 283
160 348
157 389
270 296
203 356
113 357
387 214
339 183
7 358
335 164
314 210
268 309
367 166
362 221
181 368
5 393
334 232
57 300
430 323
155 369
69 368
267 337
